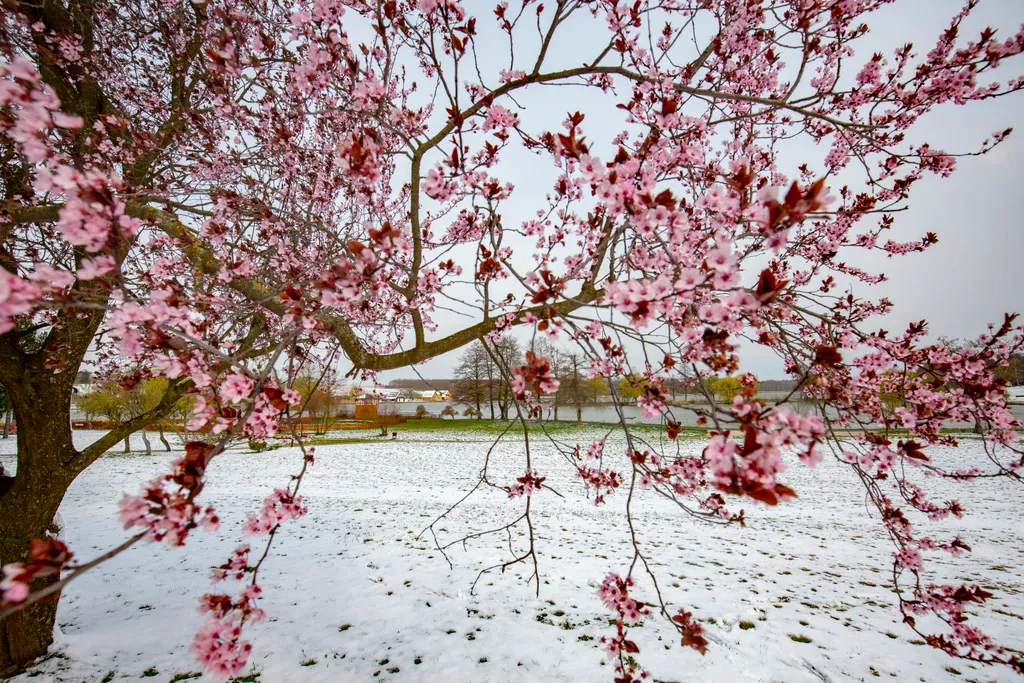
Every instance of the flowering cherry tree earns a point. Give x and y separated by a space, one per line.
226 194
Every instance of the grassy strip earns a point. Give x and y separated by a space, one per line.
421 430
431 430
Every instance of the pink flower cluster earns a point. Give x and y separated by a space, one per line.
436 186
599 479
641 300
535 375
17 297
45 558
236 387
278 507
236 567
218 645
614 593
167 510
500 118
525 485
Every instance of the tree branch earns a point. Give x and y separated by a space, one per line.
86 457
341 329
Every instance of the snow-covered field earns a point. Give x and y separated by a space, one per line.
352 594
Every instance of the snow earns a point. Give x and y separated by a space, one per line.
354 594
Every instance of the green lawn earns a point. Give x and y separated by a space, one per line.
430 429
438 430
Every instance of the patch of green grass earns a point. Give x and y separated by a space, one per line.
308 662
585 638
251 677
483 660
416 430
185 677
393 670
149 673
344 627
799 638
109 677
747 625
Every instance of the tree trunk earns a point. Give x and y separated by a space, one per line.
579 390
27 510
25 635
145 440
7 423
490 395
128 444
503 403
167 445
47 464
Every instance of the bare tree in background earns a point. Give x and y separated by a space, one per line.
472 383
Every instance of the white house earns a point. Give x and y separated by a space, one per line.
432 395
378 393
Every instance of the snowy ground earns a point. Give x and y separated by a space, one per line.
353 595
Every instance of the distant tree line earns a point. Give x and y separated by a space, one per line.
422 384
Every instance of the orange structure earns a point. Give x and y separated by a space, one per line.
366 411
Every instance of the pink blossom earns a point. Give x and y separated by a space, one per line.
436 186
91 268
499 118
218 647
13 590
277 508
236 387
51 278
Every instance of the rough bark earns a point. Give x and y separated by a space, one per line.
27 510
47 464
490 391
26 635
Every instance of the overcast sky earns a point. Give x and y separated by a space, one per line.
960 285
